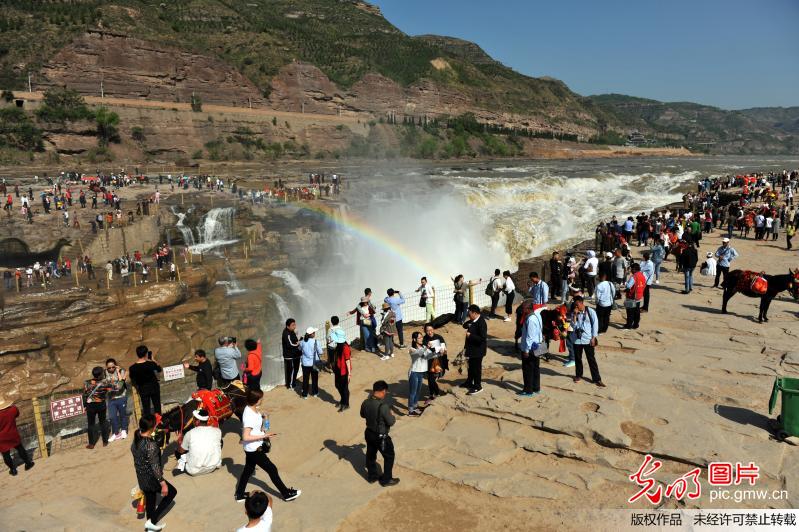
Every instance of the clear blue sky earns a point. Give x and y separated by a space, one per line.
729 53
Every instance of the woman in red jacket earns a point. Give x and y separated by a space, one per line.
9 436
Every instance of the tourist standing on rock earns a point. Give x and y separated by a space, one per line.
378 423
258 508
533 346
459 289
648 270
335 336
605 294
204 370
538 291
494 290
688 260
395 301
591 268
253 365
426 296
117 400
420 354
556 274
150 473
437 364
620 266
636 286
255 440
95 391
9 436
143 376
658 255
726 254
363 317
291 353
311 353
475 349
227 357
510 292
342 373
585 330
388 329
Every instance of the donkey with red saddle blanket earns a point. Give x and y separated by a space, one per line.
754 284
220 405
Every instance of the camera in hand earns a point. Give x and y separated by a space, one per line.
232 339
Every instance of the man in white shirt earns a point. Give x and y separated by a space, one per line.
510 292
200 452
591 268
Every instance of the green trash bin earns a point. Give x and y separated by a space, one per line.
789 415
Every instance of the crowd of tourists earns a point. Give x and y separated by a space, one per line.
563 310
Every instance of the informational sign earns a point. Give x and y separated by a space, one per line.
172 373
66 408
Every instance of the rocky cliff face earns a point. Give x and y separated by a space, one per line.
131 68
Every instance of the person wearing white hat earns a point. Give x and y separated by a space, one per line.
726 254
9 436
709 266
311 353
200 452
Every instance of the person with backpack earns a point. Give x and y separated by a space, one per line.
493 290
311 353
688 259
395 301
426 296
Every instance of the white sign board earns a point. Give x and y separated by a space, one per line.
172 373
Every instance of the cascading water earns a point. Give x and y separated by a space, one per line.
215 230
282 307
188 235
232 287
304 298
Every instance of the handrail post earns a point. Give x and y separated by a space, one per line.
37 417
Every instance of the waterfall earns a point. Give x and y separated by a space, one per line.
305 299
215 230
188 236
232 287
282 307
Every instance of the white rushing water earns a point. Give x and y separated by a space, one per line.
531 215
188 235
305 300
282 307
232 287
215 230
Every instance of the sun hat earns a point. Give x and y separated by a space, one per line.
200 414
709 254
386 305
5 402
725 239
311 330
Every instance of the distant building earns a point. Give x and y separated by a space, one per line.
636 139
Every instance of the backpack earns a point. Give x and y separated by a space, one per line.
489 291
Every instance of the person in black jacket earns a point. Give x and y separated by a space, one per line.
555 274
475 349
144 377
688 259
205 372
291 353
378 423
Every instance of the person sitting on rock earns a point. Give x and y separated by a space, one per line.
200 452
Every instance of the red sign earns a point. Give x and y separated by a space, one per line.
66 408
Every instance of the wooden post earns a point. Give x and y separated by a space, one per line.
37 417
471 293
156 272
18 281
212 202
108 280
77 281
136 404
177 270
135 282
181 198
245 250
80 243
